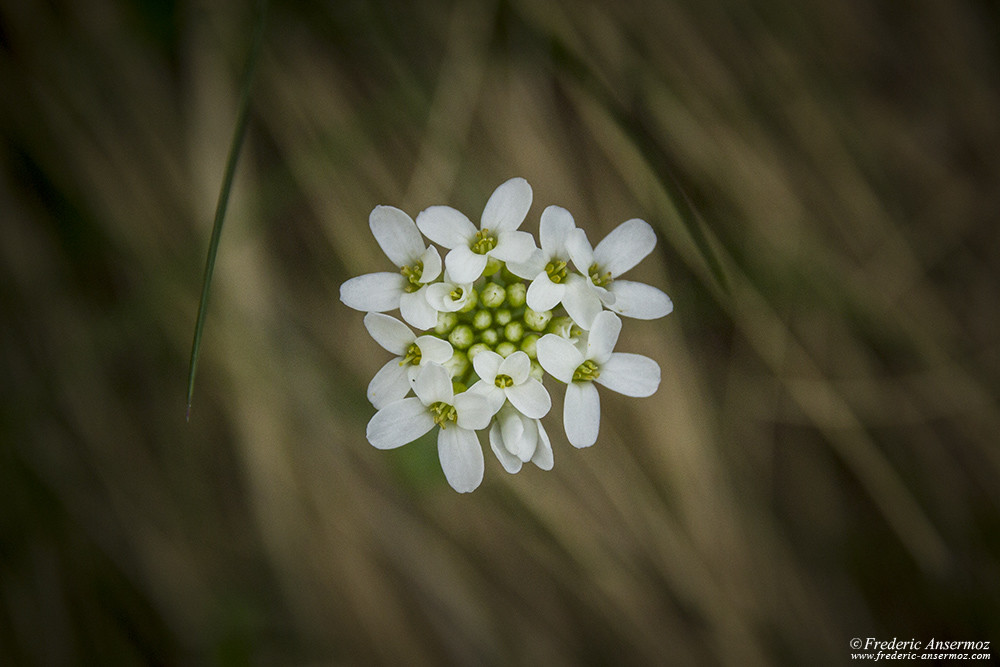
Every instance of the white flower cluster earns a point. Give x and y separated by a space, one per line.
495 317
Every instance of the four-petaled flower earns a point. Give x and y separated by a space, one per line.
497 237
624 247
436 404
622 372
394 379
517 439
418 264
509 379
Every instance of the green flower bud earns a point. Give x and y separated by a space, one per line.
461 337
528 345
482 319
492 295
513 331
506 348
446 322
502 317
492 266
458 365
489 337
537 321
472 303
537 371
516 294
476 349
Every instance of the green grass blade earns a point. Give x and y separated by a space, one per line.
239 133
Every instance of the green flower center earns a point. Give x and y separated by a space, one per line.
457 293
556 270
443 413
413 274
504 381
484 242
586 372
601 280
412 356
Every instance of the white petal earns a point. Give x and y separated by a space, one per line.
389 385
396 234
373 292
494 395
431 260
603 336
399 423
558 357
514 246
580 250
434 349
439 297
639 300
519 434
417 310
446 226
630 374
530 398
543 294
531 267
464 266
474 411
433 385
507 206
625 246
517 366
554 227
543 450
582 413
487 365
461 458
581 301
389 332
510 463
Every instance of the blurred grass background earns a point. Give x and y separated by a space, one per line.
821 459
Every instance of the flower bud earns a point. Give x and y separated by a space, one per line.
502 317
528 345
537 371
476 349
516 293
446 322
506 348
537 321
482 319
492 295
461 337
490 337
458 365
513 331
471 303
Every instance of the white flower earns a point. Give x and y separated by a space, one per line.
516 439
435 403
394 379
449 295
497 236
553 282
418 264
509 379
628 374
622 249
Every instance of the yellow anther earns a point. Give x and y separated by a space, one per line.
504 381
556 270
413 275
484 242
443 413
599 279
586 372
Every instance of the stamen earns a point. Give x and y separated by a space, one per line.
504 381
556 270
484 242
586 372
443 413
413 274
596 276
412 356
